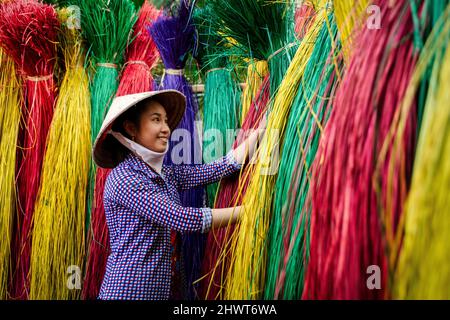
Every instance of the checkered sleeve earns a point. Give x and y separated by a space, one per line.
152 203
207 219
190 176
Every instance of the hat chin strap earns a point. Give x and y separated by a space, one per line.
152 158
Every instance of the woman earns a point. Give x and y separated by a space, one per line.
141 199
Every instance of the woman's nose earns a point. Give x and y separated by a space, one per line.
165 128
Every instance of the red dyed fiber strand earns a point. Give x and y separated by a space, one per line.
28 34
346 230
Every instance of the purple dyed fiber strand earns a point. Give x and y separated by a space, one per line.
174 37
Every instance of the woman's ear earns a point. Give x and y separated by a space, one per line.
130 129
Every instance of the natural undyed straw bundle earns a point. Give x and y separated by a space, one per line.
59 219
28 34
10 104
248 262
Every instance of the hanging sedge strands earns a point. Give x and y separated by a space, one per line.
420 272
141 57
28 34
387 174
174 37
289 227
59 231
304 17
349 18
247 267
256 73
346 233
215 263
107 27
10 105
259 29
221 98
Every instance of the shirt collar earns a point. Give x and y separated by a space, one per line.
140 165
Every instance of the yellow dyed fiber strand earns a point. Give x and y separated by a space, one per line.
422 271
349 17
10 94
245 279
59 226
256 71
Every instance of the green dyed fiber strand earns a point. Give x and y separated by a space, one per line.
434 10
107 27
221 103
298 153
258 29
222 95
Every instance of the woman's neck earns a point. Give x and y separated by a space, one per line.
150 157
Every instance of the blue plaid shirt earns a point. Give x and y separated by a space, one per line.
141 208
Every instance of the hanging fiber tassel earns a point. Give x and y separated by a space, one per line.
256 73
221 98
261 29
349 18
107 27
216 261
420 272
245 279
59 232
28 34
346 236
136 77
304 17
386 174
10 102
174 37
288 245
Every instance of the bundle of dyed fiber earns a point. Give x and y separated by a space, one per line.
174 37
9 129
386 174
215 263
304 17
107 27
221 98
260 29
346 235
256 73
422 272
349 18
246 276
28 34
59 219
288 245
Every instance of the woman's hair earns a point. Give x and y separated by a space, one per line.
133 115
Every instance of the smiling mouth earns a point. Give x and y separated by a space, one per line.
164 139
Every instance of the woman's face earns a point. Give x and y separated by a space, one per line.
153 131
